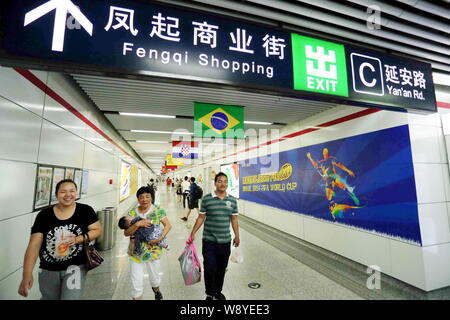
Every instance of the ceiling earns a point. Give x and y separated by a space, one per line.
113 95
412 28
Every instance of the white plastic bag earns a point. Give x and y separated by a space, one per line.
236 256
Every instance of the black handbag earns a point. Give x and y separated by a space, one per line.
93 258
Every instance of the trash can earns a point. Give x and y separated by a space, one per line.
107 218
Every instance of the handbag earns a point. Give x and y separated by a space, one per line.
191 269
93 258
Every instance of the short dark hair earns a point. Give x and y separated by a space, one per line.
186 177
58 185
123 223
142 190
151 180
220 174
192 179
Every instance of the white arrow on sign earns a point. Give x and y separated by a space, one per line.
62 7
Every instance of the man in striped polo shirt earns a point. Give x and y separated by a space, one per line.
217 210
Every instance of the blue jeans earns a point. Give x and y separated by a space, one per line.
215 262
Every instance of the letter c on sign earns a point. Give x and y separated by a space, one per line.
361 74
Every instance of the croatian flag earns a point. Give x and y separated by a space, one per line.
185 149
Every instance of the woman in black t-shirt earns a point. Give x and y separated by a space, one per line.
57 238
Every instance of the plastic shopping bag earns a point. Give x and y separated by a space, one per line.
236 256
190 264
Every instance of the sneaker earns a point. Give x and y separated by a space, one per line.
220 296
158 295
184 218
209 298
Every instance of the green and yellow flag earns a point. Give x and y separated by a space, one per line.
214 120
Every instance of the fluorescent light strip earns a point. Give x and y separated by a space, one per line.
148 141
259 122
164 132
149 115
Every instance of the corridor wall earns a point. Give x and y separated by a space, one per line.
36 129
426 267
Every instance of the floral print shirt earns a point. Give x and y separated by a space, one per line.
149 252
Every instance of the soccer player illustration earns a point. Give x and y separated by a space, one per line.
331 171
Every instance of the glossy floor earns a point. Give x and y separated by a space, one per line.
280 276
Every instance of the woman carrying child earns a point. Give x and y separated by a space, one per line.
150 251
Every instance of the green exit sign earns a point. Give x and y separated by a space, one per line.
319 66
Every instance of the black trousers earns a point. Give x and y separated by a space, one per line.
215 262
185 195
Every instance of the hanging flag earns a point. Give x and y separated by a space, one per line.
213 120
185 149
170 161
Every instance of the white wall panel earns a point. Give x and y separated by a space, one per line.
289 222
432 119
102 200
445 117
437 266
253 211
17 185
95 138
365 248
19 132
426 144
59 115
407 263
96 158
59 147
10 285
18 89
99 182
429 182
434 223
15 236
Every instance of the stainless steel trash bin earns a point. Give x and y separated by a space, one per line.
108 220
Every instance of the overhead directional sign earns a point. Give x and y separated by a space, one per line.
148 39
387 80
62 8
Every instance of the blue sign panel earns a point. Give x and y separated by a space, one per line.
366 181
148 39
385 80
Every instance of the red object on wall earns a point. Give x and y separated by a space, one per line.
110 181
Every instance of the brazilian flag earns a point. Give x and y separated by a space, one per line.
214 120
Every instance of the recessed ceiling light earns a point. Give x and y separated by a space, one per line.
259 122
164 132
148 141
149 115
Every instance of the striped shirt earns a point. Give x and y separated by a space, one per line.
218 217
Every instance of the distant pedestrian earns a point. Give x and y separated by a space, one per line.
153 188
169 183
194 197
186 187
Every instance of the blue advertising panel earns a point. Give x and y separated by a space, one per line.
366 182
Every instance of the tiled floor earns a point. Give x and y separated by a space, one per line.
280 276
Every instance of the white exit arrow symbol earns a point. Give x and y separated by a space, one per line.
62 7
